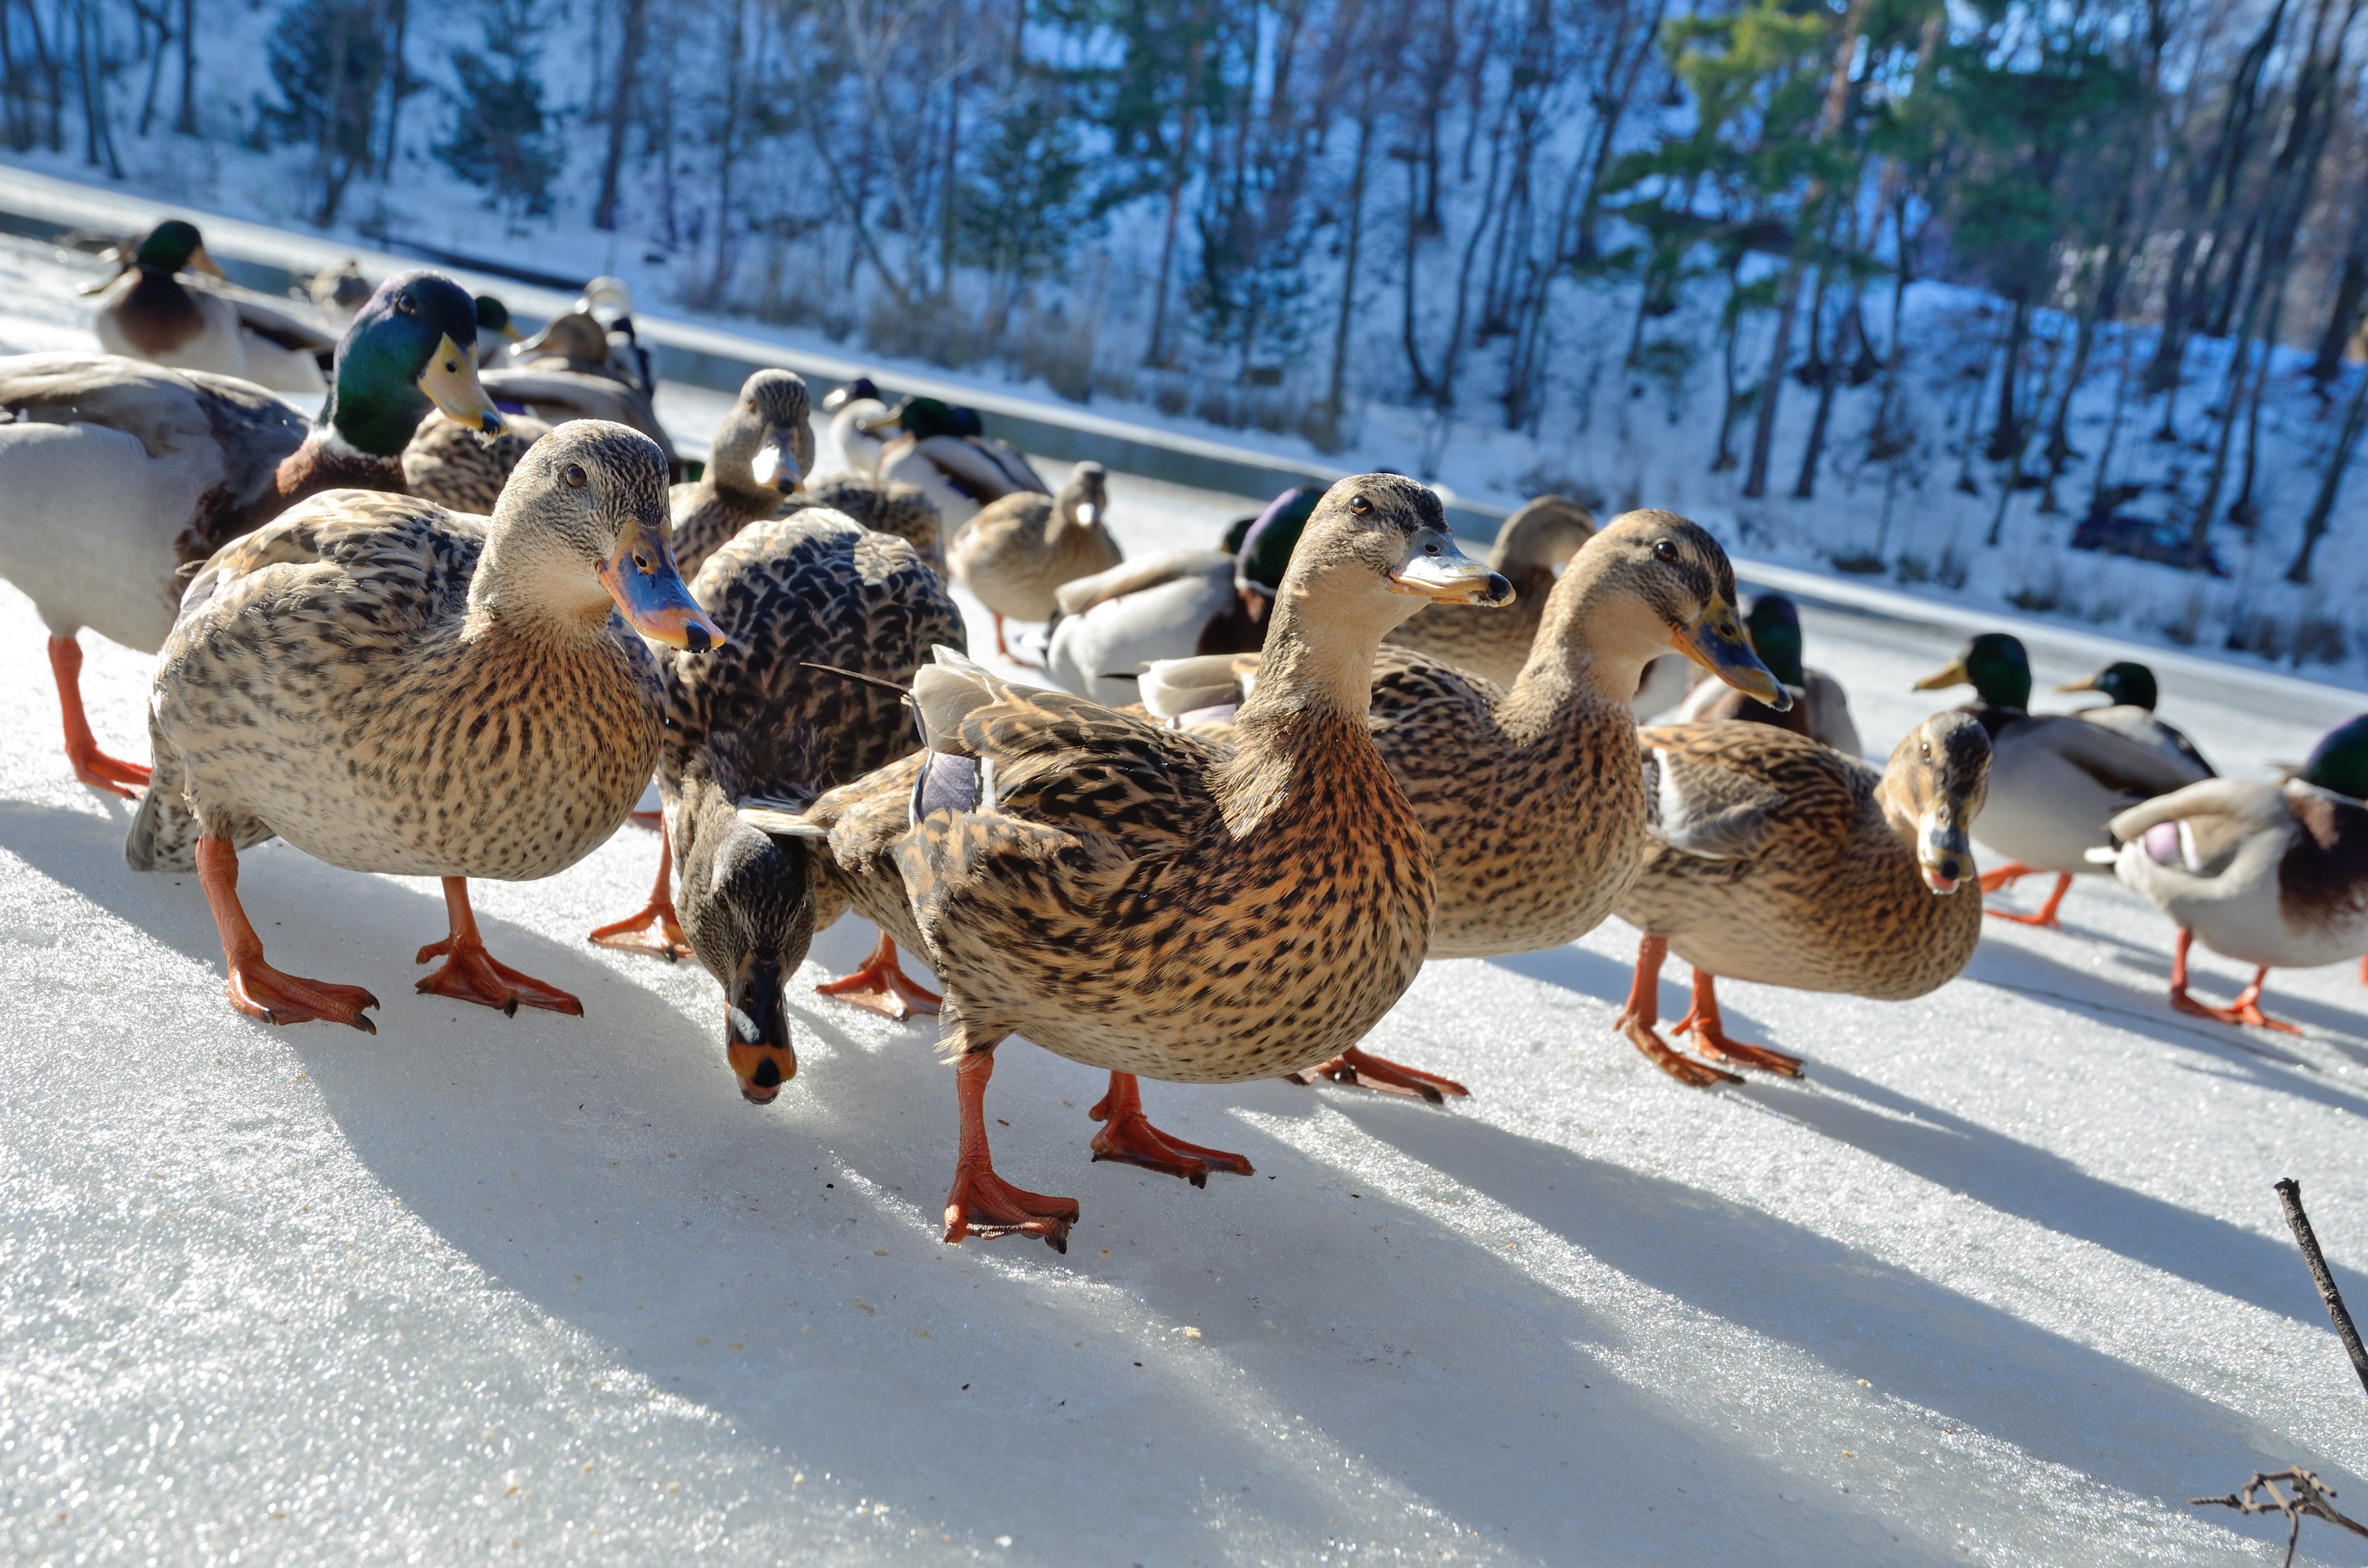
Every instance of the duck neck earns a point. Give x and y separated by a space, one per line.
1330 677
326 460
1592 645
529 585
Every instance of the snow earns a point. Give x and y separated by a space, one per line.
2002 1280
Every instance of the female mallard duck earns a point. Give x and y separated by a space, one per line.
564 372
2131 694
1779 860
2055 779
1820 709
1531 799
753 727
946 452
1530 545
761 453
115 474
2273 875
149 313
1178 604
1018 549
1141 901
900 509
395 688
339 292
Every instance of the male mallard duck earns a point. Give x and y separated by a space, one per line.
1530 545
1779 860
946 452
149 313
496 331
1139 900
115 474
395 688
2130 710
2273 875
1820 709
752 727
854 409
762 450
1019 548
900 509
2055 779
1175 605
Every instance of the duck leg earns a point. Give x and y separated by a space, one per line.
2046 912
1644 1011
1710 1035
883 985
656 928
469 974
2005 876
982 1203
1127 1135
92 766
2245 1009
1356 1070
255 988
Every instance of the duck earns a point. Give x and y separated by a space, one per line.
2055 779
1176 604
393 687
1531 797
946 452
460 468
339 292
147 312
2270 874
2131 694
1820 708
563 374
1020 548
895 508
763 448
1530 545
1778 859
855 407
809 605
1147 903
114 474
496 331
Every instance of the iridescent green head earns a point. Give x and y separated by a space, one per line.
926 416
1775 623
172 246
2339 761
1265 551
412 348
2129 685
1995 665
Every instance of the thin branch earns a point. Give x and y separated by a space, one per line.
2290 1194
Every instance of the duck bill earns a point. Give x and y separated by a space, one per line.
1717 642
1088 514
511 333
757 1032
1940 680
641 577
201 262
450 382
1944 857
2085 683
1434 569
891 420
776 463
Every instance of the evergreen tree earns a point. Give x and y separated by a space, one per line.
330 59
501 136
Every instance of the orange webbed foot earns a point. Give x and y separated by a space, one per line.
1678 1065
881 986
2045 916
654 930
262 992
983 1204
1356 1070
469 974
2245 1010
1128 1136
100 771
1712 1040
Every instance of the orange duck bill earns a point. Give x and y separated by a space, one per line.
641 575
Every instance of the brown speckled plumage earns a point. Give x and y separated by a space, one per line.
1496 642
773 404
885 508
1019 548
462 470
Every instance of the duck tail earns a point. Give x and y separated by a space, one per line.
164 836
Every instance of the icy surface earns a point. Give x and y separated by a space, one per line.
2002 1280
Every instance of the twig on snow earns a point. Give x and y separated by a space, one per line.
2309 1498
2290 1194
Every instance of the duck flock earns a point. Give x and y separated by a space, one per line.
454 626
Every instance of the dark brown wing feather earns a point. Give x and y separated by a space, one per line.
2323 877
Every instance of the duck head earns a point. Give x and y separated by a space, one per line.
747 908
860 390
1995 665
582 526
412 348
765 447
2125 684
1773 622
1377 548
173 245
1546 532
1649 582
1084 501
576 338
1933 789
494 328
922 417
2339 761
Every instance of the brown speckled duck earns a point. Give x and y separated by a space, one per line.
1779 860
885 506
1142 901
395 688
1530 545
1018 549
762 450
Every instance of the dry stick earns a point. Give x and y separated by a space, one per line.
2310 1499
2290 1194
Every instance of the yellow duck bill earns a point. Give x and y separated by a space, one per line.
1434 569
1717 642
641 575
451 384
1941 680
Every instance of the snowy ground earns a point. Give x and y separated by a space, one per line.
2002 1280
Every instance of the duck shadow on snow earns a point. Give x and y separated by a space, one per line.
606 1170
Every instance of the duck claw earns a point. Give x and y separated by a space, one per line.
983 1204
1684 1068
262 992
1356 1070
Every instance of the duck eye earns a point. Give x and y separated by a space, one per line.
642 562
406 305
573 475
1431 549
1360 506
1666 548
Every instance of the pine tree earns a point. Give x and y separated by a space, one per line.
501 134
329 58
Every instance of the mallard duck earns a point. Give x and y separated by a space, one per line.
391 686
899 509
1019 548
1779 860
946 452
2131 696
1178 604
753 728
854 409
762 450
2055 781
460 468
1142 901
1820 709
496 331
149 313
2272 875
1530 545
564 372
339 292
115 474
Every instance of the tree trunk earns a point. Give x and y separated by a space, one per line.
620 110
398 83
2322 509
1805 487
184 123
1333 398
2350 293
2006 432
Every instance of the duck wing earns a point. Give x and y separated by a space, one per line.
559 396
399 564
1726 789
2116 762
285 330
983 471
